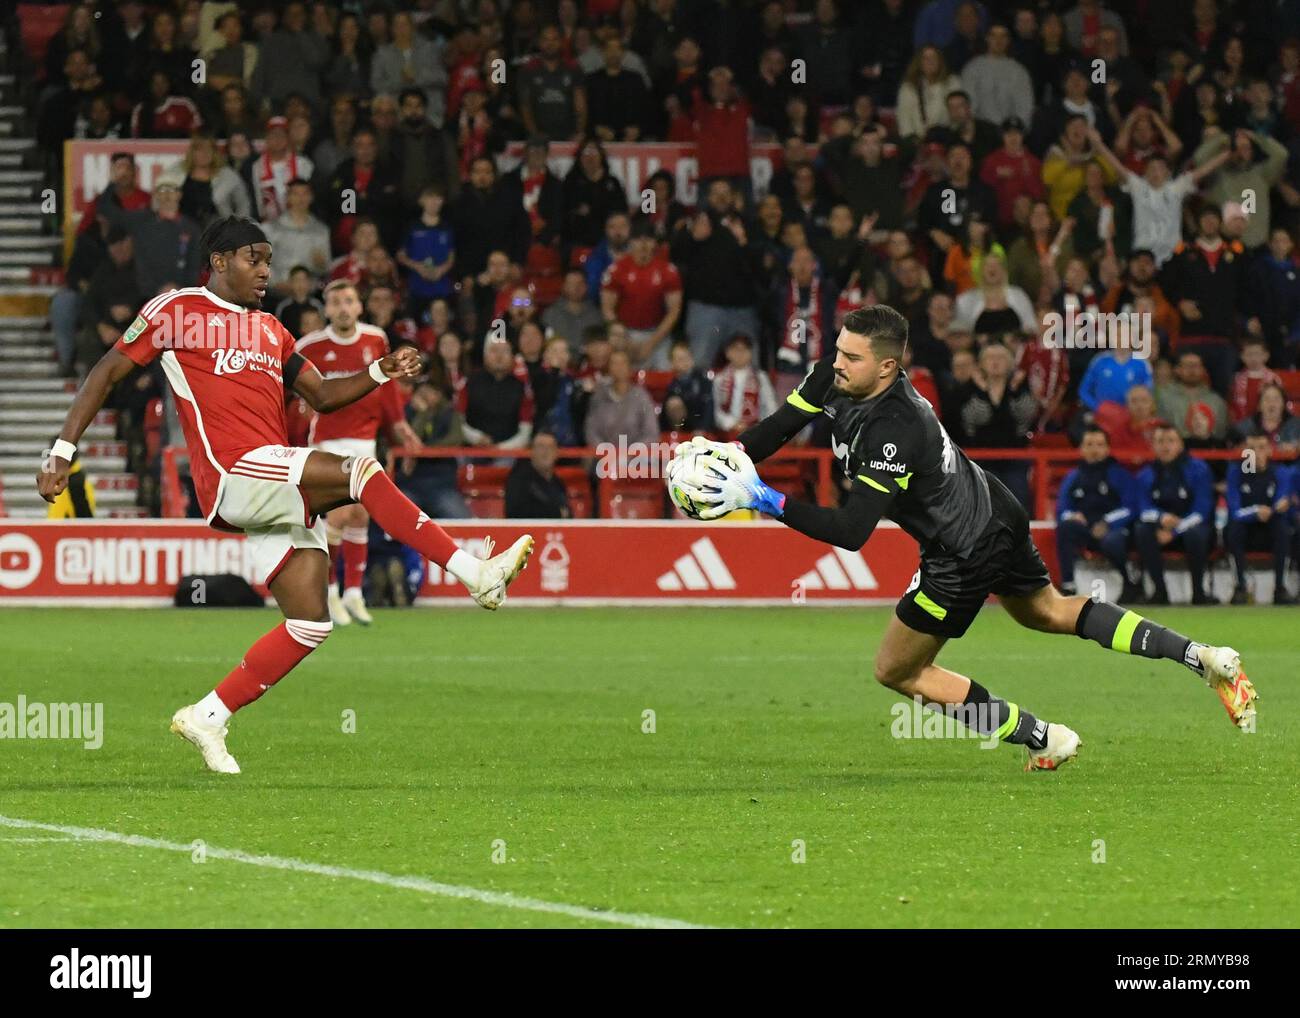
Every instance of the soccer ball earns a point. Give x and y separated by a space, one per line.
698 470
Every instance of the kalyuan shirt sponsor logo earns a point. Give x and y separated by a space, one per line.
229 362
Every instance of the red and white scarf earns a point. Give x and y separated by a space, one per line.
272 187
740 400
801 347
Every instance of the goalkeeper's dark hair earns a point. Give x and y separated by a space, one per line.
885 329
229 234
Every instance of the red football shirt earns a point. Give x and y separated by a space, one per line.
641 290
336 357
225 365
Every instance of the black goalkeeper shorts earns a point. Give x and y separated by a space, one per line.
947 592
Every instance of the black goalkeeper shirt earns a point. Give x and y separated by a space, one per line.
893 444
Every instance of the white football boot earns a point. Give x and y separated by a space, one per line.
1221 669
355 603
499 571
210 739
338 613
1062 747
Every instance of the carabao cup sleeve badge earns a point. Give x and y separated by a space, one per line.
137 327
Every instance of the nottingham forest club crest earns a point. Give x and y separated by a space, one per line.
135 329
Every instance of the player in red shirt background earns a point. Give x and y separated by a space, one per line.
348 345
228 364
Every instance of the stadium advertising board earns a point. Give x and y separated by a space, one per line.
598 561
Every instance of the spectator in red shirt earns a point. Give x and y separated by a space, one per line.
644 292
1012 171
1243 397
163 113
1047 370
721 127
352 266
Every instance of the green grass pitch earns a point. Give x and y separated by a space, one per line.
505 753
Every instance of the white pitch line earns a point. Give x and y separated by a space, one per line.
502 899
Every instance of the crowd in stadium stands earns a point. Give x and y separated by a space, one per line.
975 165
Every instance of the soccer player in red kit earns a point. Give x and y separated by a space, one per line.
229 363
348 345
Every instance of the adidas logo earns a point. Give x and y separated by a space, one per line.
701 568
839 569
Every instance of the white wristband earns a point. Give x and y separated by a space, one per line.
377 373
63 450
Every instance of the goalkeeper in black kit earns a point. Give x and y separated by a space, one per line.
973 534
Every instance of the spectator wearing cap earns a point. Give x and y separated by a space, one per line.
1254 164
921 103
1206 281
617 97
410 60
1012 171
371 188
1273 297
292 60
722 271
298 238
742 394
552 94
1189 404
274 168
1175 512
166 242
533 491
644 292
999 87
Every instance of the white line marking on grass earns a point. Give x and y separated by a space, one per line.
502 899
37 841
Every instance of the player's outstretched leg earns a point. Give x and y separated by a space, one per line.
486 579
1123 630
299 589
905 663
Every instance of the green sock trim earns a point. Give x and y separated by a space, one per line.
1122 641
1009 725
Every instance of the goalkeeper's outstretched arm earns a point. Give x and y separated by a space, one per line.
846 526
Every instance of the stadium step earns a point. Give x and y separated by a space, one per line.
109 449
24 351
42 433
21 224
28 498
11 160
10 243
23 322
26 259
21 177
15 335
14 208
44 369
26 466
40 400
12 145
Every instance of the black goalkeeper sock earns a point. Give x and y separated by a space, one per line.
1117 628
991 715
